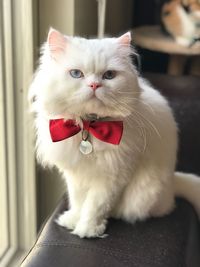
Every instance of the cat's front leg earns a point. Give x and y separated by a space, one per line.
76 196
96 208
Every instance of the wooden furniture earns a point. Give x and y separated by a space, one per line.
152 38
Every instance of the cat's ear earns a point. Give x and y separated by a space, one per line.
57 43
125 39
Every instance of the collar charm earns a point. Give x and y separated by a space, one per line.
85 145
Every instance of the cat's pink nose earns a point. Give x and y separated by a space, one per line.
94 86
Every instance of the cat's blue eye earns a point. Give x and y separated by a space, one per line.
75 73
109 74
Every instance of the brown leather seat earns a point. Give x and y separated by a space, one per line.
171 241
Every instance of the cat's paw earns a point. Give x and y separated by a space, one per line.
68 219
90 230
183 41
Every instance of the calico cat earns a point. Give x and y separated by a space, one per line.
111 135
181 19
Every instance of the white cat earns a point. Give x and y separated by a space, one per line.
133 180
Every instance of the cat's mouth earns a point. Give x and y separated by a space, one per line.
95 99
94 95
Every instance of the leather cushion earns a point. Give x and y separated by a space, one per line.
171 241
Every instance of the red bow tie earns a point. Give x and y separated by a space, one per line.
106 131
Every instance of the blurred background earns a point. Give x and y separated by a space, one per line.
28 193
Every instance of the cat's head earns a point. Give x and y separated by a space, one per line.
78 76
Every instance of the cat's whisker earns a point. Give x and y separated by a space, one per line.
135 98
149 122
143 133
119 105
125 92
135 120
123 104
145 104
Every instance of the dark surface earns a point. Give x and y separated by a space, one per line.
149 13
171 241
183 94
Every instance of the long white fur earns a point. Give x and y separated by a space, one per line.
131 181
